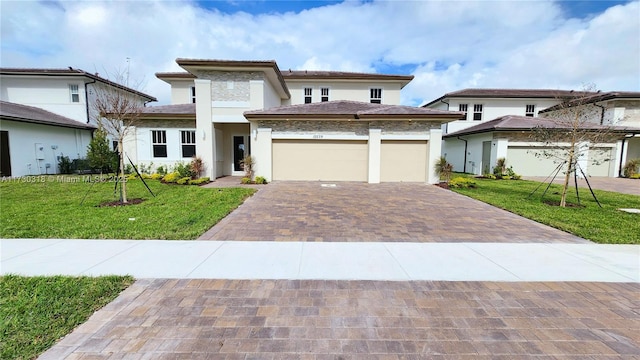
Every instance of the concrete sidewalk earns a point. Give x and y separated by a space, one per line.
327 261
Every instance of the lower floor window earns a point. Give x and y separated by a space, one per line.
188 143
159 141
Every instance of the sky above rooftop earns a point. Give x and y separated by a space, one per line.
446 45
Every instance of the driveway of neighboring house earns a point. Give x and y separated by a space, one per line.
621 185
360 212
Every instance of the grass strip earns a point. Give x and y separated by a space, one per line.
37 311
606 225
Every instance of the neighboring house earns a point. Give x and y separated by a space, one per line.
59 93
619 108
297 125
32 139
472 147
509 137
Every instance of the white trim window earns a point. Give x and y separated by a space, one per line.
375 95
324 94
193 94
308 92
477 112
159 141
188 141
530 110
74 93
463 108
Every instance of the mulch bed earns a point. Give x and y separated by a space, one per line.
557 203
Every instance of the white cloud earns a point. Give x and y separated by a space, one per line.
451 44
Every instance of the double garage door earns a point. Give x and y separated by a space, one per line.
347 160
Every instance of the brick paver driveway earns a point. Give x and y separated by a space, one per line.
284 319
309 211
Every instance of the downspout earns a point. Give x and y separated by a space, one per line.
86 99
464 167
601 113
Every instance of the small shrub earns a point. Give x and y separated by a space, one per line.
631 168
144 168
260 180
156 176
161 170
443 169
462 183
128 169
183 181
131 177
64 164
200 181
171 177
197 167
246 180
635 176
183 169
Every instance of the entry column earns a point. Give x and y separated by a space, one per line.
375 136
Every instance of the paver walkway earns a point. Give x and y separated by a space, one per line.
359 212
263 319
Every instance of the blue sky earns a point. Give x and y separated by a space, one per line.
446 45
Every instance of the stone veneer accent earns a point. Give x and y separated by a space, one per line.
347 127
170 124
241 89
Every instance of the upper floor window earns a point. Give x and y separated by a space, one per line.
463 108
193 94
477 112
307 95
324 94
530 110
188 143
74 93
159 141
376 96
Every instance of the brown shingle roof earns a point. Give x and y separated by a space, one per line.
352 110
72 72
510 93
342 75
180 111
31 114
516 123
596 97
175 75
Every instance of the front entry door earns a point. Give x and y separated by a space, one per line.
486 157
240 150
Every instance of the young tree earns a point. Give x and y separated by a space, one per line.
117 111
99 153
570 132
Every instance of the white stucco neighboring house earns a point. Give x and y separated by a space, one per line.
297 125
473 147
59 100
32 139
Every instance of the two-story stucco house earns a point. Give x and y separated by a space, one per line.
297 125
498 124
47 113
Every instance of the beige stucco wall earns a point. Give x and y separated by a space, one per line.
343 90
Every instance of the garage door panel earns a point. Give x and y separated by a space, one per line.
320 160
403 161
525 162
600 162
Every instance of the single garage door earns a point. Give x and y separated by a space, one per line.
603 158
403 161
525 162
326 160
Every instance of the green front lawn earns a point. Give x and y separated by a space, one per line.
602 225
53 207
37 311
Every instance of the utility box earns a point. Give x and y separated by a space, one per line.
39 151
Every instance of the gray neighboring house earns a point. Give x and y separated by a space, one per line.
32 139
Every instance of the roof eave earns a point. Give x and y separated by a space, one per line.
49 123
